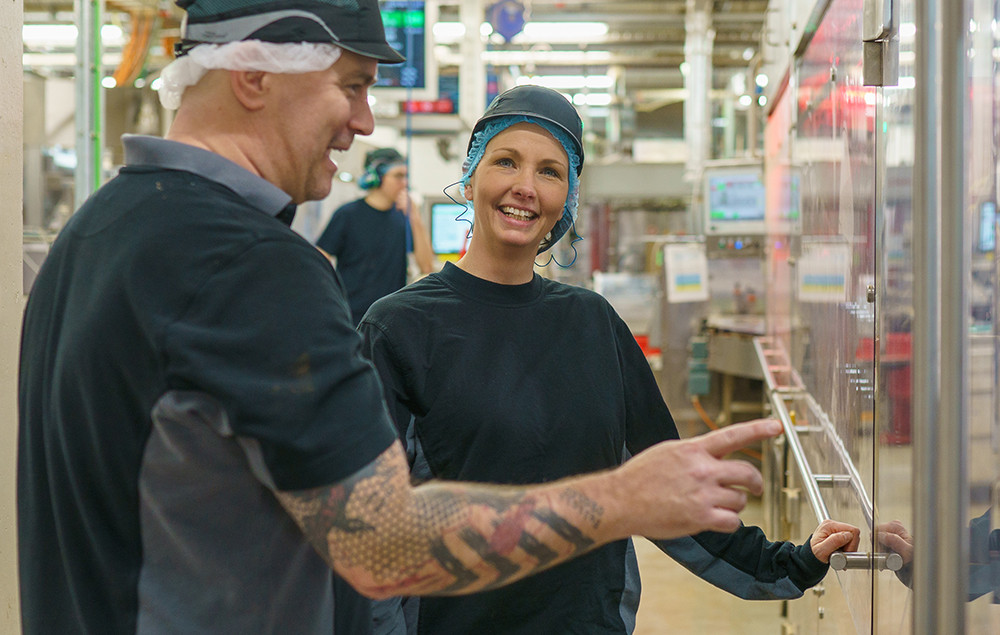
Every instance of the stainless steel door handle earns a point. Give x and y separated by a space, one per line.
841 560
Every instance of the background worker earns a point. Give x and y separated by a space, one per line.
199 439
369 238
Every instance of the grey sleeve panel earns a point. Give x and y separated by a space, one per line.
220 554
388 617
725 575
629 606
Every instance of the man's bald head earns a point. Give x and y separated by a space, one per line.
277 86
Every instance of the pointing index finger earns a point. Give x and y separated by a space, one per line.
719 443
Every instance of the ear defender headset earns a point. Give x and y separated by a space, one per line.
377 163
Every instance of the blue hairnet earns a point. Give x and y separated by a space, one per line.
500 124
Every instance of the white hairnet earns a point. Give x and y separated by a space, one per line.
245 55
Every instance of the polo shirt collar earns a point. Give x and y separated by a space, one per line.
172 155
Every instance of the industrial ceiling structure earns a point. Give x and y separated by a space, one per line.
642 46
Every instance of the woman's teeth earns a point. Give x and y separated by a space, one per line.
519 214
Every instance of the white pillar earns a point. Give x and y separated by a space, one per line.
471 71
11 298
89 99
613 131
698 83
697 116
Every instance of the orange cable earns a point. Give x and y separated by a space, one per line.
136 49
712 425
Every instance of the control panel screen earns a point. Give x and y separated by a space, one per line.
734 201
448 232
987 226
405 24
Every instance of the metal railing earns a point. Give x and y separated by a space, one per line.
775 364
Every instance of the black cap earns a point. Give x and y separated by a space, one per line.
354 25
541 103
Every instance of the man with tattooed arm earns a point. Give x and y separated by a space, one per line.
196 422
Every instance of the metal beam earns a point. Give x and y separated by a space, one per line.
940 422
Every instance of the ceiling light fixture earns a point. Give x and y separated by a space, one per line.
562 33
64 35
518 58
592 99
567 82
448 32
65 60
533 33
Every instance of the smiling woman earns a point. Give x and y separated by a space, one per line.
568 391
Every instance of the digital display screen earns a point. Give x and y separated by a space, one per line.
792 206
735 201
735 197
448 235
405 22
987 226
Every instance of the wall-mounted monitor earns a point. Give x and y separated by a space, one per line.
448 232
734 200
987 226
784 203
408 30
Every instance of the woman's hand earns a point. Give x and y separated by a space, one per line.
894 536
831 536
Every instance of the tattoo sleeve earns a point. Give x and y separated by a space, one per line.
440 538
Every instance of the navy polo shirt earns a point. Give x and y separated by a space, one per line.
370 245
184 354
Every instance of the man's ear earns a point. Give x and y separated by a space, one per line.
249 87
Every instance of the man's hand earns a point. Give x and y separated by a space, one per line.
831 536
423 253
679 488
404 203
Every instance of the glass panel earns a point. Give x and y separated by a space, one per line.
827 321
894 470
982 152
894 475
852 149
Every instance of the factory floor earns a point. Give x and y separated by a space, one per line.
674 600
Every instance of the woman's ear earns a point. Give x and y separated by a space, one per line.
467 192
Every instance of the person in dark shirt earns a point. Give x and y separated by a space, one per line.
566 388
199 439
369 238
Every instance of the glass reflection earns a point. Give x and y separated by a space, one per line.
984 558
842 302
